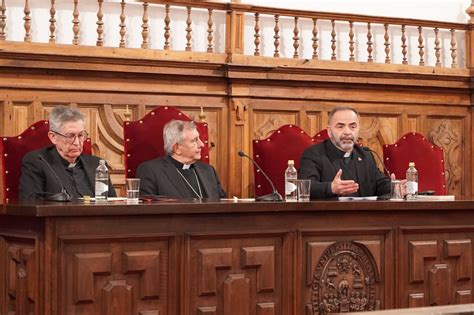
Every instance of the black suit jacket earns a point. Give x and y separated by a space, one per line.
318 164
37 179
159 177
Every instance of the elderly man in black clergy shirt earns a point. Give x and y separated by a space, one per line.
76 171
180 174
338 166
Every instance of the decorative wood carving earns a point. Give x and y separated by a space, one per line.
122 25
262 258
52 23
117 298
3 18
345 280
76 24
448 136
208 261
147 264
21 268
86 266
236 295
461 250
439 268
130 276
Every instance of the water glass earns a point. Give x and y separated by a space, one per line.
133 189
396 192
304 189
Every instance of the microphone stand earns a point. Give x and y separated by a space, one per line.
274 196
62 196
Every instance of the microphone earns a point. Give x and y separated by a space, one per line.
380 159
274 196
61 196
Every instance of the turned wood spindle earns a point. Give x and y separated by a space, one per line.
404 46
100 24
3 20
75 23
315 39
437 43
167 27
387 44
333 40
188 29
296 39
453 49
276 37
369 43
256 35
52 23
210 49
351 41
122 25
27 19
145 27
421 46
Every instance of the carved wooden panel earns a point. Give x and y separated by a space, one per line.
236 275
436 268
344 273
126 276
448 134
266 122
19 267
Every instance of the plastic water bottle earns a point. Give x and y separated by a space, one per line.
412 181
101 182
291 176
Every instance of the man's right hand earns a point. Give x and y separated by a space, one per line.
343 187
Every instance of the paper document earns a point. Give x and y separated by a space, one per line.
436 198
357 198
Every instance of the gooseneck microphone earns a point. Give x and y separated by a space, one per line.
386 171
274 196
61 196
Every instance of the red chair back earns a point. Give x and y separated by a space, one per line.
144 137
273 153
12 150
428 158
321 136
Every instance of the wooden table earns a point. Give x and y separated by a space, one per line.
178 257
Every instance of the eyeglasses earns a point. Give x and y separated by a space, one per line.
70 138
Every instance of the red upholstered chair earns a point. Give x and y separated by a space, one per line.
144 137
321 136
273 153
12 150
428 158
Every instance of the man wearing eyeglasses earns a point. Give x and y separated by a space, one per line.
61 166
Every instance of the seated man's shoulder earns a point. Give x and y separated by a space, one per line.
35 154
315 148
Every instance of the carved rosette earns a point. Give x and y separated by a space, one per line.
345 280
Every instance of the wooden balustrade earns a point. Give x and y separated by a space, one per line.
395 32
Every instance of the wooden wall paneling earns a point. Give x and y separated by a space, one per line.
20 267
448 133
239 168
247 269
128 275
439 259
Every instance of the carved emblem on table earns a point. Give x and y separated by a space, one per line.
345 280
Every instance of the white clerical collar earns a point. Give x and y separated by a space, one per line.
186 166
347 154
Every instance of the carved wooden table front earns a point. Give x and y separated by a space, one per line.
234 258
